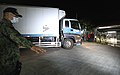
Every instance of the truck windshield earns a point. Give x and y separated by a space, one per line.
75 25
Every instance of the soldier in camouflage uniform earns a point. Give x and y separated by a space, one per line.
10 41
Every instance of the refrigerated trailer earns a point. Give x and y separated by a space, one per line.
47 26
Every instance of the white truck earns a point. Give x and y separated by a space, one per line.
47 26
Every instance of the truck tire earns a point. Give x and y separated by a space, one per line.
68 44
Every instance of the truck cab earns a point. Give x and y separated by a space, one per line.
70 33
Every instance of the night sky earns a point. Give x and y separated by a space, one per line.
97 12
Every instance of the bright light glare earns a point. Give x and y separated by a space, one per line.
103 27
113 26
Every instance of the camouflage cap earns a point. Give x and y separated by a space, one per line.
12 10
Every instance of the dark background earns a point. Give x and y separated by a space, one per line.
97 12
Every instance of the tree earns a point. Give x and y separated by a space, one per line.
86 24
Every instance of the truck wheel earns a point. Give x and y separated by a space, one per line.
68 44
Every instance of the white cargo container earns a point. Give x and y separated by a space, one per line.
46 26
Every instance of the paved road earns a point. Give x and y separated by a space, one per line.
88 59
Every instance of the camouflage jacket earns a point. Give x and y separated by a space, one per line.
10 40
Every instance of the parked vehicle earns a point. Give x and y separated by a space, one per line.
47 26
113 38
